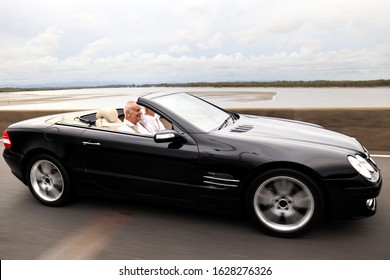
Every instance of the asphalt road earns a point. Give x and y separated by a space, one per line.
96 229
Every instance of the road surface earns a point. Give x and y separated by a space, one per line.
91 228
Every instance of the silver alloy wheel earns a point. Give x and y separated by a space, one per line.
46 180
284 204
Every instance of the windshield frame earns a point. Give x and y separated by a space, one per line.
198 115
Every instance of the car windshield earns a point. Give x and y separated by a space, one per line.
196 111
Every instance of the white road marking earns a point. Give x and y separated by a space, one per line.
381 156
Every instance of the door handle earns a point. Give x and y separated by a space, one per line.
87 143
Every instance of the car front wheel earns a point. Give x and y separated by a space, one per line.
284 202
48 181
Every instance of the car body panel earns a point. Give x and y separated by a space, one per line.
208 170
133 164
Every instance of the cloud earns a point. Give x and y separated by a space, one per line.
42 45
216 41
179 49
98 47
183 41
140 67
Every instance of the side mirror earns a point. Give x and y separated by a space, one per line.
168 136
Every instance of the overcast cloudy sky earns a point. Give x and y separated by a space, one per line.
147 41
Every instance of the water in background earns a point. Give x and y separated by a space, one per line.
223 97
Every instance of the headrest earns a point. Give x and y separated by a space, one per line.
110 114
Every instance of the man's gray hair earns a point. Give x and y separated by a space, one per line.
127 108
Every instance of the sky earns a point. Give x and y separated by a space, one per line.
100 42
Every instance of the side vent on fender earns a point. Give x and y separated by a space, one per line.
220 181
242 128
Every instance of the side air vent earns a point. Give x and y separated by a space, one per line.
242 128
220 181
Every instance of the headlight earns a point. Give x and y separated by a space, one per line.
364 167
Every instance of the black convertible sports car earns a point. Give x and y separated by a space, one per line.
285 174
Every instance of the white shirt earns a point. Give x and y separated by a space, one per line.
132 128
152 124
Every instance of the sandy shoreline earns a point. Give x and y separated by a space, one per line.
223 97
80 99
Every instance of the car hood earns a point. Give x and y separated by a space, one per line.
256 128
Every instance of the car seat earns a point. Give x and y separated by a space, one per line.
108 118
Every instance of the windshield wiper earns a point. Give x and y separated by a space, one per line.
226 122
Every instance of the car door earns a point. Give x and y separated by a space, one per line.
133 164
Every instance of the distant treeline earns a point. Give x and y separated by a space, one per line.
317 84
15 89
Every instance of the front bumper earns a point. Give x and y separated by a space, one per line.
353 198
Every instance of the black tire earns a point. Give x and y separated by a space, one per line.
284 203
48 181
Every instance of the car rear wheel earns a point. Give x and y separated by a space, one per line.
48 181
284 203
